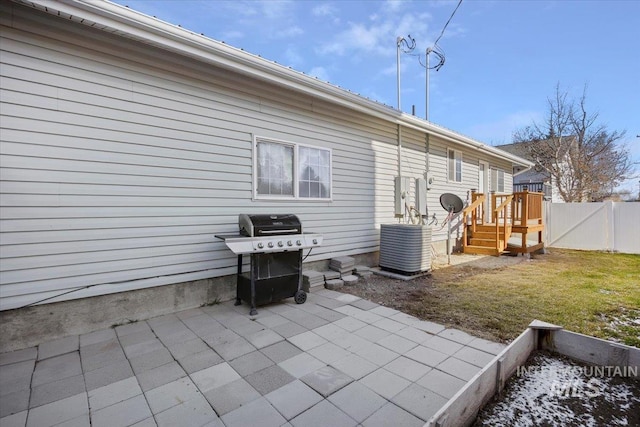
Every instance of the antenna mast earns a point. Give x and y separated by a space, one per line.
410 45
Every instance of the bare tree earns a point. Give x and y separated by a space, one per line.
584 159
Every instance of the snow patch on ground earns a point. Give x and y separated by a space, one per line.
626 319
553 391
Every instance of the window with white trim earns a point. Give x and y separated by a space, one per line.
285 170
497 180
454 165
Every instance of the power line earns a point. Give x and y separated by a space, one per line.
437 50
434 48
445 25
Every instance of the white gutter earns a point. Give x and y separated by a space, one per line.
135 25
528 168
419 124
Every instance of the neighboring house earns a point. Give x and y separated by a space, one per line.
534 179
128 143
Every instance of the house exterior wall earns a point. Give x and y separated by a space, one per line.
121 162
441 184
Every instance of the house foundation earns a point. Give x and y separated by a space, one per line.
29 326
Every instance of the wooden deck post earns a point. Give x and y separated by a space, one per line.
525 208
493 206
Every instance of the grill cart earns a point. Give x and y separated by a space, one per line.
275 244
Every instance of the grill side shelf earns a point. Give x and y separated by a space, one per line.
280 243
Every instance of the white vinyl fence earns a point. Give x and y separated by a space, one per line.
606 226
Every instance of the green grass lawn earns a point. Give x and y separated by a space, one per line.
593 293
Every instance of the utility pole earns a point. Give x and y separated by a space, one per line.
426 110
398 42
410 45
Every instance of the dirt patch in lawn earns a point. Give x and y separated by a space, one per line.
410 296
496 298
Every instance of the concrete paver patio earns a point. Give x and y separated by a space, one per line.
336 360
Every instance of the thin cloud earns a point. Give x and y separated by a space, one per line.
376 36
453 30
417 26
393 5
360 37
276 9
501 131
240 8
324 9
293 57
320 73
264 19
232 35
376 96
327 11
392 68
288 32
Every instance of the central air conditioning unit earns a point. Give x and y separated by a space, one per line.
405 248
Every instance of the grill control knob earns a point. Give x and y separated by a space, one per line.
280 244
315 241
260 245
299 243
289 243
270 244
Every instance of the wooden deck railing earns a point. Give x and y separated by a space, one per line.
521 210
476 209
503 219
527 208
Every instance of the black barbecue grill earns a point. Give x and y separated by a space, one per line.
275 243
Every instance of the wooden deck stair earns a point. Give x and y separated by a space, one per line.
482 241
519 213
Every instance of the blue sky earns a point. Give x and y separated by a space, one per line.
503 58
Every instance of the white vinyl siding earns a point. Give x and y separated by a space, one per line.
287 170
438 164
121 162
454 165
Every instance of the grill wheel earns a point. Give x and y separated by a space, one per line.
300 297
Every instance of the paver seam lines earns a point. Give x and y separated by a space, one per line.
31 386
135 376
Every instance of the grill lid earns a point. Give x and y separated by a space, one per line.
262 225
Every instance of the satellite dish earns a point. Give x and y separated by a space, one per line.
451 203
